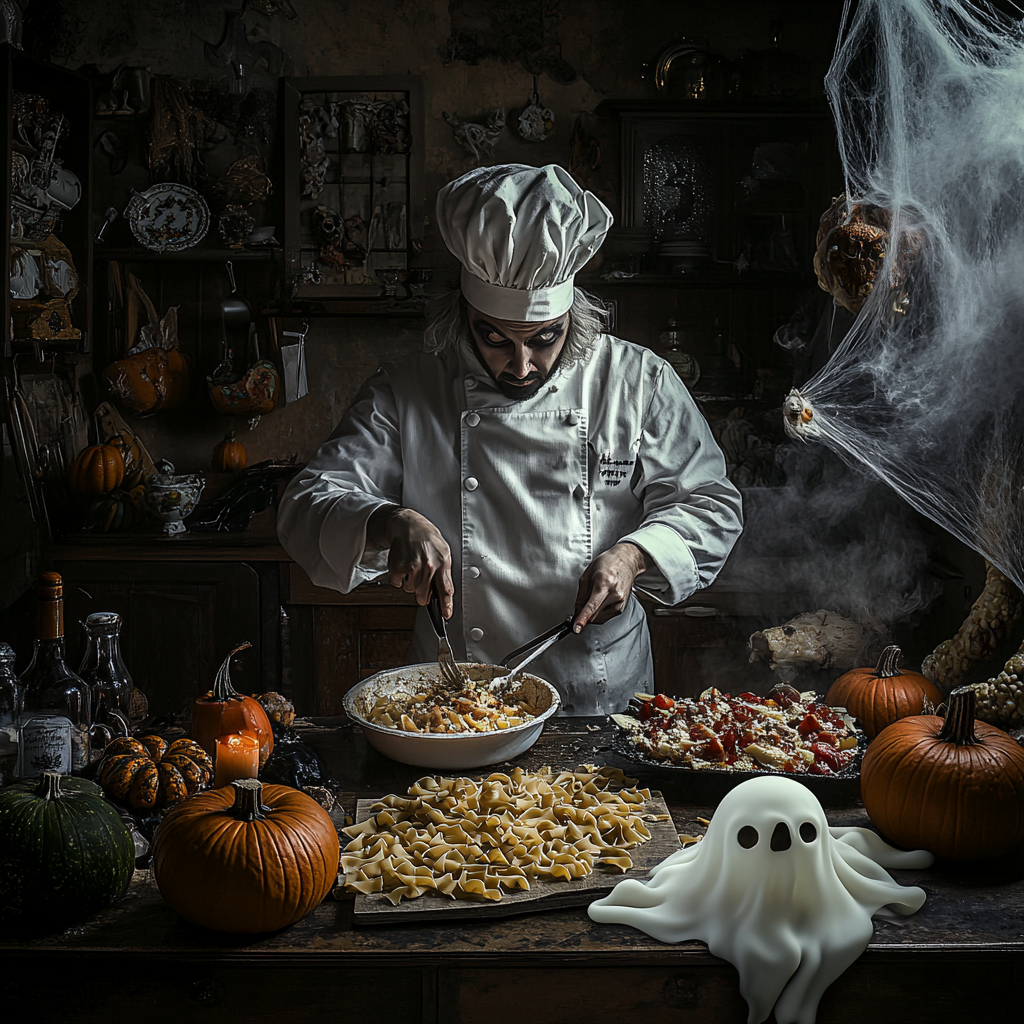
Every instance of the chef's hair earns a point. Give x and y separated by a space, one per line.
448 325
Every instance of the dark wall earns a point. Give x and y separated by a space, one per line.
473 55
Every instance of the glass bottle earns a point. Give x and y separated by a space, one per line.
10 709
110 685
682 362
48 686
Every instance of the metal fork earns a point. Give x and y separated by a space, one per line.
451 673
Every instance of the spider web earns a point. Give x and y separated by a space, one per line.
928 98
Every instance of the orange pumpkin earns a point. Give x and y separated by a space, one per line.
204 862
883 695
96 469
224 710
954 786
230 455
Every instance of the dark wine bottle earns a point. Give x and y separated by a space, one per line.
48 686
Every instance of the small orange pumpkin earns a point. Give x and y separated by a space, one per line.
953 786
883 695
230 455
97 469
224 710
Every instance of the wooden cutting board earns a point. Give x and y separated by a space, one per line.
542 895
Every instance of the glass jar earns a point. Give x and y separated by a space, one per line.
10 709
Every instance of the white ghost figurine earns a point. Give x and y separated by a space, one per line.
775 891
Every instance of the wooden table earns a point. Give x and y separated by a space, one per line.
961 958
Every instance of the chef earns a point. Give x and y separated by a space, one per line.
527 465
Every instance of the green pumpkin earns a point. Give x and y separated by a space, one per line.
64 851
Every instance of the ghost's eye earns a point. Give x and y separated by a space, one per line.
808 833
747 837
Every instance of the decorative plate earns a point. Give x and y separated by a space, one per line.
168 217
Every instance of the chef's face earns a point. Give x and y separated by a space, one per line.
520 355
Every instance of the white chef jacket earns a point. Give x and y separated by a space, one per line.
526 493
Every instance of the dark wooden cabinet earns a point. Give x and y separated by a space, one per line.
338 639
180 619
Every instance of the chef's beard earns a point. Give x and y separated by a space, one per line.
521 391
505 382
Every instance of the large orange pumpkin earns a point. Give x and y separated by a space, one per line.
224 710
246 858
953 786
880 696
96 469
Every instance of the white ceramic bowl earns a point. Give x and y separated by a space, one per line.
447 750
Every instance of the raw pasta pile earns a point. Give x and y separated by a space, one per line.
474 839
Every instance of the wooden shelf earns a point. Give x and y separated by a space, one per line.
184 255
185 547
350 307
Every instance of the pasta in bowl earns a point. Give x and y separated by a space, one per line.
410 716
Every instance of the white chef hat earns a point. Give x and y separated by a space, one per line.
521 233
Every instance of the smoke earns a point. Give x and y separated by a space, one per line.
927 388
835 537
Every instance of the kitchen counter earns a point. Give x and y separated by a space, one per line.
961 955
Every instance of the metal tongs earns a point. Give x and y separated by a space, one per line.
450 671
532 649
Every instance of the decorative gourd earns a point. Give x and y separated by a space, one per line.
107 514
230 455
224 710
96 469
883 695
953 786
64 851
146 773
118 510
280 710
204 864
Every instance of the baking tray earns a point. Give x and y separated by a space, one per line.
374 909
706 786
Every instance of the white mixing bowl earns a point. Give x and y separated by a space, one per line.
448 750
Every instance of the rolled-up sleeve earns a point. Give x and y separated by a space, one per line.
692 514
323 513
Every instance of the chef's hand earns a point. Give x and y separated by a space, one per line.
418 556
606 584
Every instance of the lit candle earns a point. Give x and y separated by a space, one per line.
238 757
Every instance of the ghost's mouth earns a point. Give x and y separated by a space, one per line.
781 838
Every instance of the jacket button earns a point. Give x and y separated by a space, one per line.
473 572
472 419
572 419
472 483
471 382
476 633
